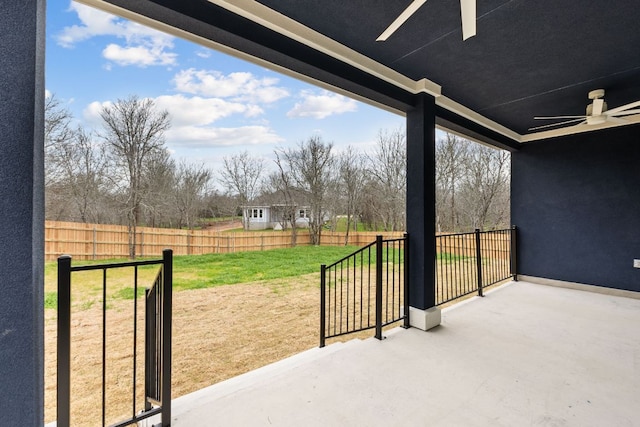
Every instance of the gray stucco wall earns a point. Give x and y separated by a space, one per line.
21 213
576 202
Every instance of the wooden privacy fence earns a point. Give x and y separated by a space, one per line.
101 241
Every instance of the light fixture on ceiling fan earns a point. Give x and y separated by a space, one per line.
467 13
596 114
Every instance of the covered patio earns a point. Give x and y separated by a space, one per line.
525 355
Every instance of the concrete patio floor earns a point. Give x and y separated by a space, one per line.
525 355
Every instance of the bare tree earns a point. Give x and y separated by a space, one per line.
310 166
282 182
485 187
351 182
451 155
159 179
57 130
133 131
241 175
388 167
82 163
190 187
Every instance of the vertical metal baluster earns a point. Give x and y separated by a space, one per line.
104 341
323 271
512 252
369 286
479 261
379 287
407 322
135 336
167 310
361 292
64 341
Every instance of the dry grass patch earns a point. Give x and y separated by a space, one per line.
218 333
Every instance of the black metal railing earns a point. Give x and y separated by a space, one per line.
365 290
157 345
469 262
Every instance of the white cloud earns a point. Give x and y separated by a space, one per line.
203 53
240 86
142 56
205 136
201 111
185 111
143 46
192 119
323 105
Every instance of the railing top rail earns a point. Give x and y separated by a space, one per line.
362 249
115 265
397 239
502 230
468 233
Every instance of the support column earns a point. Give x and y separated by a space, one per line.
421 212
22 40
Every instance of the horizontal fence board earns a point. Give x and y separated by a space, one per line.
102 241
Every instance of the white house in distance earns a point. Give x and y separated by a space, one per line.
274 216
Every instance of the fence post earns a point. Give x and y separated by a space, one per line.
94 242
479 261
323 285
379 287
64 341
513 253
407 323
167 291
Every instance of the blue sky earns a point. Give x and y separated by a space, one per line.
219 105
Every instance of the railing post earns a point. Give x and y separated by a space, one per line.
64 341
407 323
323 297
513 253
379 287
167 291
479 261
150 368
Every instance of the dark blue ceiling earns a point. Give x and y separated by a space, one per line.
529 58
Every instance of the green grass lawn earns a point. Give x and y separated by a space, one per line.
195 272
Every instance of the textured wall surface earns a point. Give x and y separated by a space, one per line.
576 202
421 202
22 213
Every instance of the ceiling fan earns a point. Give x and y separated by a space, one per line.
467 12
596 114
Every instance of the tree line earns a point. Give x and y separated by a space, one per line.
124 174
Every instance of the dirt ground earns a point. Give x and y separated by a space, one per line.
218 333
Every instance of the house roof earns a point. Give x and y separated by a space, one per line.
529 58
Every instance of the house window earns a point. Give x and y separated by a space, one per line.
303 213
255 213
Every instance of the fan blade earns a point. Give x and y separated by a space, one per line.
468 14
558 117
623 113
598 105
410 10
617 120
581 119
613 111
